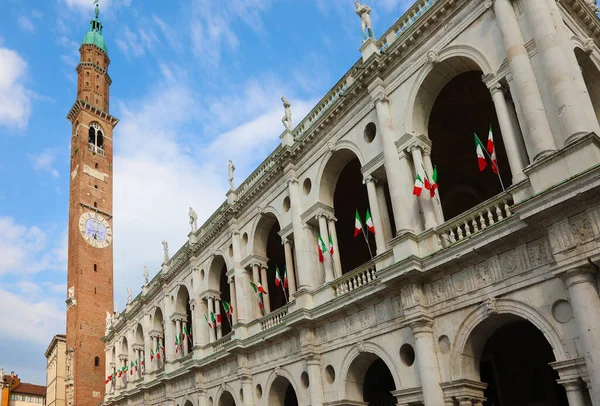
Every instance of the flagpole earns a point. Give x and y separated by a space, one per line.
492 161
362 228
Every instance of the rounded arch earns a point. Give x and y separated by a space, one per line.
277 386
182 299
215 267
225 396
331 167
481 323
590 71
354 368
261 228
187 403
139 334
158 319
124 346
434 76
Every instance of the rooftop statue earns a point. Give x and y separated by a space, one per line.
193 220
287 118
364 12
231 169
165 251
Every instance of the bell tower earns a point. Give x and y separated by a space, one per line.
90 250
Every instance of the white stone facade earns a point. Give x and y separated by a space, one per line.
452 279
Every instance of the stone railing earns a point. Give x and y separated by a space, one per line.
355 279
338 91
96 150
409 18
219 345
476 220
257 174
274 318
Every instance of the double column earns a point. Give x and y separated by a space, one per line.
259 276
585 301
289 265
332 264
539 141
397 168
215 332
242 282
432 212
561 79
426 358
374 205
303 254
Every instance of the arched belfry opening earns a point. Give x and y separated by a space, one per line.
512 357
342 187
282 393
370 380
452 104
591 77
95 136
267 243
219 282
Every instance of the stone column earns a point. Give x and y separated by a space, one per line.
154 347
242 282
400 180
437 206
509 137
426 202
539 140
586 308
427 361
217 314
256 280
265 284
369 181
211 310
233 302
555 66
385 215
186 349
316 383
163 353
564 40
328 264
247 390
302 253
337 261
289 266
574 392
203 336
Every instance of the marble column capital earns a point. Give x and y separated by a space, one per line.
369 179
286 240
293 181
313 359
421 325
377 91
496 88
583 274
410 141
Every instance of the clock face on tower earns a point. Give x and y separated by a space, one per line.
95 230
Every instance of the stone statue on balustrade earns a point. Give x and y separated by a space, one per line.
364 12
165 251
146 275
287 117
108 320
230 175
128 296
193 220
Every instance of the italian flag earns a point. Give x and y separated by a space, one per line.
418 188
213 319
431 185
136 365
228 308
108 379
278 279
285 278
158 351
357 224
480 154
162 347
330 245
492 151
258 288
176 344
184 333
151 355
322 249
131 369
369 222
208 321
190 334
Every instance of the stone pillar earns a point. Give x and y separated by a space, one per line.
202 336
555 66
316 383
302 253
289 266
233 302
509 137
256 280
211 310
427 361
265 284
586 308
369 181
564 40
385 215
247 390
400 181
514 121
328 264
426 202
574 392
437 206
242 282
539 140
337 261
154 351
217 314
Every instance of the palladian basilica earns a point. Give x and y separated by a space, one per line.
427 235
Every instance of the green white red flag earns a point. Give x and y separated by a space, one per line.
480 155
184 333
228 308
492 151
151 355
131 369
431 185
258 288
285 278
330 245
176 343
278 278
418 188
208 321
357 224
322 249
369 222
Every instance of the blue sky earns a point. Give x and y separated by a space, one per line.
195 83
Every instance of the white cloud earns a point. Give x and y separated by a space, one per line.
15 99
26 24
169 33
29 249
87 4
136 44
44 161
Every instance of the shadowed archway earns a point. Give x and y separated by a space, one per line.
282 393
370 380
226 399
267 243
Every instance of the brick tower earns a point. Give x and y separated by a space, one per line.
90 262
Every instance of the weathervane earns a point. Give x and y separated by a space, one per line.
97 8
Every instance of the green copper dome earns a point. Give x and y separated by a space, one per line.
94 35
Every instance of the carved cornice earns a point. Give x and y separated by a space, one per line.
81 105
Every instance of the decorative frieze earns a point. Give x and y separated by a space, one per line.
567 234
282 349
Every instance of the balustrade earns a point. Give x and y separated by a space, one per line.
355 279
219 345
274 318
